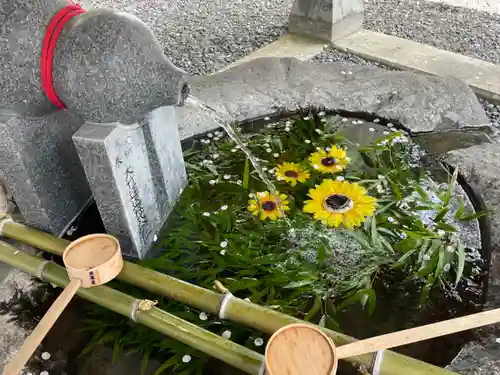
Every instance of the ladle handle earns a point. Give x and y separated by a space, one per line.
412 335
36 337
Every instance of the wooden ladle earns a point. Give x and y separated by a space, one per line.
303 349
90 261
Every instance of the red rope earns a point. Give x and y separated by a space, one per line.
54 30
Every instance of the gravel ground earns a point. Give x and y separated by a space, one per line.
203 36
465 31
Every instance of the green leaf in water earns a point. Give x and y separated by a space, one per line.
471 217
144 362
314 309
461 208
246 174
441 214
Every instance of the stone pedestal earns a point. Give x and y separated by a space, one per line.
39 163
136 175
328 20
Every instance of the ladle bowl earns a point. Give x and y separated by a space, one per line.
90 261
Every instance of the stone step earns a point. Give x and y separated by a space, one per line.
405 54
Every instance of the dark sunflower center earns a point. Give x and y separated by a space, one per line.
337 201
292 174
269 206
328 161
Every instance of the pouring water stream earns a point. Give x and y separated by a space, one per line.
191 100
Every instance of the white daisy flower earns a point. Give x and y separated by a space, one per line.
203 316
186 358
223 252
206 214
223 208
390 219
45 356
321 114
223 244
446 267
340 178
307 141
258 341
267 118
227 176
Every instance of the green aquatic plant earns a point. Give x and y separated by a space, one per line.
345 216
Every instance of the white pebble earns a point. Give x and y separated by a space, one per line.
342 72
267 118
210 135
212 182
372 129
203 316
276 154
258 341
377 120
349 72
226 335
227 177
186 358
321 114
223 208
269 150
307 118
223 244
46 355
207 214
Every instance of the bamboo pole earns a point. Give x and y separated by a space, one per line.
240 311
121 303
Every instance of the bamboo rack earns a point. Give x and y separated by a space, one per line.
121 303
240 311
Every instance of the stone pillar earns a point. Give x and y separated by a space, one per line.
328 20
136 175
41 168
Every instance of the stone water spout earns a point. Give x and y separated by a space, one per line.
108 65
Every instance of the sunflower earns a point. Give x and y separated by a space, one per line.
333 161
337 203
291 173
268 205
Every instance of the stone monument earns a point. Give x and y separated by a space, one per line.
64 68
328 20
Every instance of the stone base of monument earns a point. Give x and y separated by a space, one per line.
328 20
41 169
136 175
